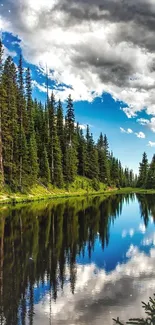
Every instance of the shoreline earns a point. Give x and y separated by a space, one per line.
15 198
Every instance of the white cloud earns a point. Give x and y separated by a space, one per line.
128 131
142 228
150 123
126 232
81 126
131 232
151 144
8 53
143 121
129 112
140 135
150 240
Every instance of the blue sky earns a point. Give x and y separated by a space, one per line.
98 56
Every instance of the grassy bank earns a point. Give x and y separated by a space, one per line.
81 187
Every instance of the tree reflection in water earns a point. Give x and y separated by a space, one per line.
37 240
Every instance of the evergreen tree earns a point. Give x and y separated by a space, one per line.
60 126
104 169
51 114
2 104
151 175
55 155
70 120
143 171
9 123
21 103
81 153
31 136
93 167
44 167
70 154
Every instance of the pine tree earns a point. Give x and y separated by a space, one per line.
31 136
93 167
2 103
51 114
150 183
55 154
87 151
70 154
60 126
104 170
70 120
21 109
9 123
143 172
106 146
81 153
44 168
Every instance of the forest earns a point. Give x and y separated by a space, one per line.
38 143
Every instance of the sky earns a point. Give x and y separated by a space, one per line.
100 52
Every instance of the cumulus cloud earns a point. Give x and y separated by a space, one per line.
81 126
100 296
142 228
149 123
92 45
130 232
151 144
8 53
140 135
129 131
128 111
149 240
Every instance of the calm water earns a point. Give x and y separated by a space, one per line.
78 261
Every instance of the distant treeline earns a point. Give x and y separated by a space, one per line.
37 142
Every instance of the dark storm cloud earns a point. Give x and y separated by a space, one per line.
109 69
137 17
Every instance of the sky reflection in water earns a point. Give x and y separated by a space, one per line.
92 260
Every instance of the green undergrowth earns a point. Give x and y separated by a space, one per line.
82 186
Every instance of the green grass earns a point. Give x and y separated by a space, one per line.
134 190
82 186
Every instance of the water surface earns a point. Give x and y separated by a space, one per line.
77 261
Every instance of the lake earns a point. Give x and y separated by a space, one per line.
77 261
